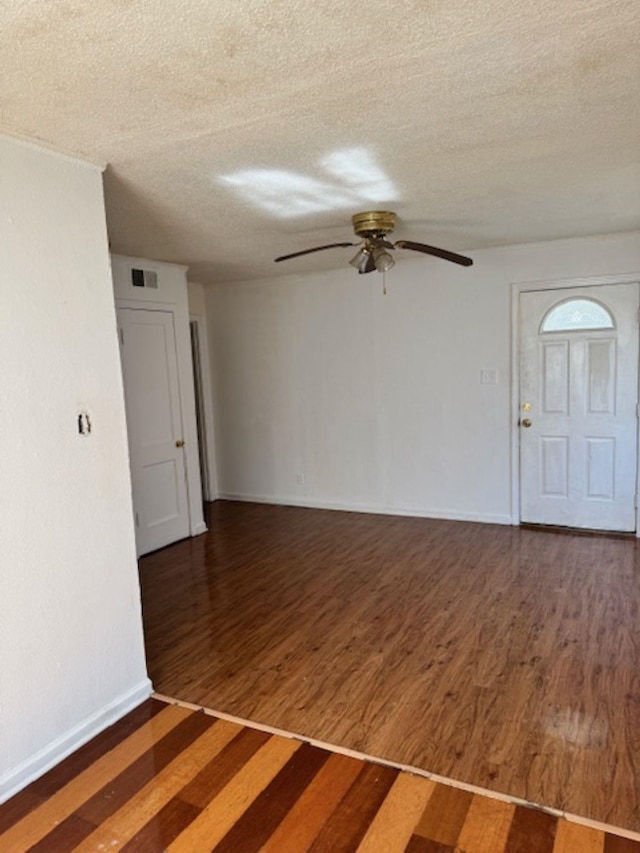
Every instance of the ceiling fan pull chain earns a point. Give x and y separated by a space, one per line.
384 283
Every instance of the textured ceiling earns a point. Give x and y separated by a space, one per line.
238 131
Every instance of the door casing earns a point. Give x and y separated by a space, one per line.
207 399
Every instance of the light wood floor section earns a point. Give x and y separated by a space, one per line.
167 778
506 658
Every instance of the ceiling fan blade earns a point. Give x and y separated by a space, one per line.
369 266
316 249
432 250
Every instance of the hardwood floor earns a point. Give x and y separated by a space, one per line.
167 778
501 657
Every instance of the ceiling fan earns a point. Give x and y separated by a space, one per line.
373 252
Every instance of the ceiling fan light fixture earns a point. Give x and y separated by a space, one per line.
359 260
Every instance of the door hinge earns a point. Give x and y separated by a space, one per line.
137 520
638 410
121 336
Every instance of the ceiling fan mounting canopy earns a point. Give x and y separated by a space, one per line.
373 226
374 222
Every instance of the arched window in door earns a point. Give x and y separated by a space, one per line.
577 315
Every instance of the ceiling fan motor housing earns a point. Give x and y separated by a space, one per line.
373 222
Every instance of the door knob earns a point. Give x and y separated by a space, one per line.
526 422
180 442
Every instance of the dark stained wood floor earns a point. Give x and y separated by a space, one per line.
167 778
505 658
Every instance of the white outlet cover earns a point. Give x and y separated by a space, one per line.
488 376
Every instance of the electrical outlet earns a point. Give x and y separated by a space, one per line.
488 376
300 479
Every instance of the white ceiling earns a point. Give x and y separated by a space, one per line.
238 131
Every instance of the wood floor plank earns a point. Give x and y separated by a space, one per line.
418 844
444 814
352 818
115 831
531 831
616 844
573 838
398 815
210 827
486 826
17 808
65 836
163 828
213 777
312 810
64 802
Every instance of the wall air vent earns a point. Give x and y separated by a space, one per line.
144 278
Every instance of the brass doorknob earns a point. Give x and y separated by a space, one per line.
526 422
180 442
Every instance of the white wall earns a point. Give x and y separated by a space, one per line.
376 400
197 302
71 650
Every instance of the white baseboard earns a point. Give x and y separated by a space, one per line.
413 512
199 528
53 753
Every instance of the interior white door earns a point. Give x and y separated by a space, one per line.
150 375
578 406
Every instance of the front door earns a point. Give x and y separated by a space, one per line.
578 406
150 375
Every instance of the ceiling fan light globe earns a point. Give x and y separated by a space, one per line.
360 258
384 262
364 265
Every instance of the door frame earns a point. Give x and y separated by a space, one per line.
197 524
170 294
211 487
555 284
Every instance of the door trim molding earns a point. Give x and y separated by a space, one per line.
517 288
209 422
